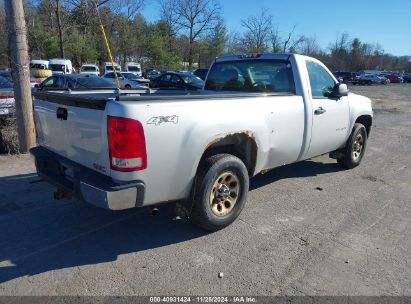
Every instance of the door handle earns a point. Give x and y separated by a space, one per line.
320 111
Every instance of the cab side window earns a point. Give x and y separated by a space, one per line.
166 78
60 83
176 79
321 81
49 82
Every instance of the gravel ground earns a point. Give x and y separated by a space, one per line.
308 229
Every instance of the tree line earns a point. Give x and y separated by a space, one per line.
188 33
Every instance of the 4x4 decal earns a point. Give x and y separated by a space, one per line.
162 119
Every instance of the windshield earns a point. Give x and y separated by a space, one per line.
39 66
134 68
88 69
255 75
153 73
130 76
58 67
193 80
110 68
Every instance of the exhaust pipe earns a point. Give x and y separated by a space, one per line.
153 211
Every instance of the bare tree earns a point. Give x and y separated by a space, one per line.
234 44
276 41
63 22
196 17
257 33
169 15
288 40
132 7
341 44
308 46
60 27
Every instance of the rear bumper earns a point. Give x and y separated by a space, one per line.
86 184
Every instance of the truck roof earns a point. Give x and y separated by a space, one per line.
89 64
109 64
283 56
59 60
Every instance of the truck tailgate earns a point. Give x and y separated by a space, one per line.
73 129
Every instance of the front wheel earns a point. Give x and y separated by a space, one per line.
354 149
220 192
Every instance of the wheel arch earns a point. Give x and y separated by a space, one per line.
366 120
242 145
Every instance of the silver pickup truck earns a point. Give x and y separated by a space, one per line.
129 149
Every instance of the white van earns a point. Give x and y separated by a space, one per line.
60 66
134 68
108 67
90 69
39 64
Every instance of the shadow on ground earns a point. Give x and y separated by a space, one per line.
302 169
39 234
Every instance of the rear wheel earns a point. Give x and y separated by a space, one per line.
220 192
127 86
354 149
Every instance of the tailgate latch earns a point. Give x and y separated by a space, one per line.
62 113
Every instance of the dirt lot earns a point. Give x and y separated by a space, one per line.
308 229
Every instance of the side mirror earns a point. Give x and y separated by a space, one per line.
340 90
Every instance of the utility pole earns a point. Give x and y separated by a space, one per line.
18 50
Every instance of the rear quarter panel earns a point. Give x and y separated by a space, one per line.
174 148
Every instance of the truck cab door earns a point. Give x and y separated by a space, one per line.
330 116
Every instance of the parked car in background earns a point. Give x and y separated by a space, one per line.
108 67
125 83
6 74
393 78
369 79
60 66
407 77
39 64
201 73
134 68
339 78
185 81
347 77
7 106
384 77
139 79
90 69
151 74
33 80
74 81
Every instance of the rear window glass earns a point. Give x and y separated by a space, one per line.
88 69
252 76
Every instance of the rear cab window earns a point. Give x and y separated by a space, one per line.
252 75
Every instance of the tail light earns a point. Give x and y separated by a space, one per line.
127 144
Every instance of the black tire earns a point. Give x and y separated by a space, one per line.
206 201
127 86
354 149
